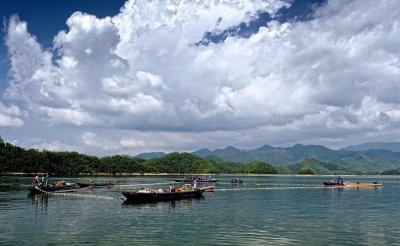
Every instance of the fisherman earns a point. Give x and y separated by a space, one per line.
34 184
194 184
47 179
42 181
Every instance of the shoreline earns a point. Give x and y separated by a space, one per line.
21 174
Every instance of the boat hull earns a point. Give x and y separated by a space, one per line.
41 190
354 185
363 185
85 185
148 197
333 184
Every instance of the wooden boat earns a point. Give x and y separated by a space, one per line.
84 185
147 196
363 185
50 188
354 185
197 179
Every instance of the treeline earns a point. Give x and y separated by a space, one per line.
14 159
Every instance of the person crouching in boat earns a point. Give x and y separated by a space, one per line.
34 183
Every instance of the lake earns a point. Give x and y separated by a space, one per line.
264 210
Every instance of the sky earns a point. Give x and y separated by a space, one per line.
126 77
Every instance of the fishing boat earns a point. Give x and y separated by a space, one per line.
92 184
198 179
236 181
363 185
51 188
333 183
148 196
354 185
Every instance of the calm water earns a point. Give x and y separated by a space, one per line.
263 211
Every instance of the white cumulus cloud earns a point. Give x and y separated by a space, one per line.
315 80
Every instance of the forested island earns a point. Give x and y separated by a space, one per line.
17 160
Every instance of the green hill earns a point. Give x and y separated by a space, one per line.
179 163
364 164
259 168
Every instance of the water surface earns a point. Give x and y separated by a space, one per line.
272 210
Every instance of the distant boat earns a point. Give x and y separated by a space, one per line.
84 185
198 179
236 181
147 196
51 188
333 183
354 185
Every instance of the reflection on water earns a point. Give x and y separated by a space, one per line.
39 202
171 205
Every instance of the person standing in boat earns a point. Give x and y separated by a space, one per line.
42 181
194 184
46 180
37 180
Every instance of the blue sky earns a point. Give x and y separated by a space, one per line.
116 77
46 18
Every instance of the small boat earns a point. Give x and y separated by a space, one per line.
353 185
51 188
148 196
333 183
236 181
198 179
85 185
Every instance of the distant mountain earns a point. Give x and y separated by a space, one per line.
276 156
202 152
228 151
316 167
390 146
368 161
150 155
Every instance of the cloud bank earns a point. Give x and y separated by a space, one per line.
141 81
